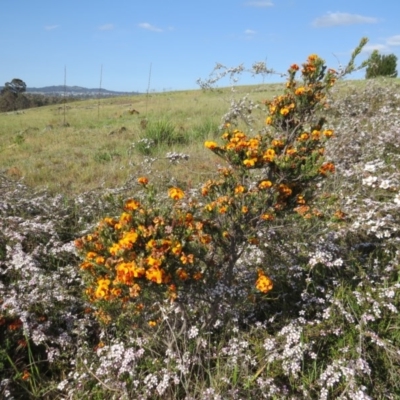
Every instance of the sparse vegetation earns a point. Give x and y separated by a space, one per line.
267 267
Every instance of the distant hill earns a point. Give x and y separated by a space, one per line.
75 91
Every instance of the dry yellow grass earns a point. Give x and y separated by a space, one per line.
95 148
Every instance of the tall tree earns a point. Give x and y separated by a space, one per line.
15 86
381 65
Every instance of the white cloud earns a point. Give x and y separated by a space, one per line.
336 19
264 3
385 47
106 27
51 27
249 32
369 48
393 40
149 27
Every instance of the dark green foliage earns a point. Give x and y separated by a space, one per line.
16 86
381 65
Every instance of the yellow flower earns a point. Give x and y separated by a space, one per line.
269 155
304 136
131 204
264 283
128 240
153 262
102 291
187 259
299 91
284 111
265 184
328 132
155 274
210 145
114 249
239 189
250 162
315 134
268 121
245 209
277 143
176 193
177 249
152 323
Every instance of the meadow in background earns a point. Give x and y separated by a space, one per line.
307 305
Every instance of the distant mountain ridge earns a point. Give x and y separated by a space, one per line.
59 90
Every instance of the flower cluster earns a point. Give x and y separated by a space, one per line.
144 247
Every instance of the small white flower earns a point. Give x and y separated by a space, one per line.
369 181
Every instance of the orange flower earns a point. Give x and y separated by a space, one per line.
327 167
25 376
210 145
284 190
294 67
268 121
303 209
182 274
176 193
267 217
277 143
264 283
239 189
328 132
143 180
245 209
152 323
13 326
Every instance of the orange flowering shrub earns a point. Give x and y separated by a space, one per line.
192 246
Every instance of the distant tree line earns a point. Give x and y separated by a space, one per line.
381 65
13 97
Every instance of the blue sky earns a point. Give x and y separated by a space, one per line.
181 40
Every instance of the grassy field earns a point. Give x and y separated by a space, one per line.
96 146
